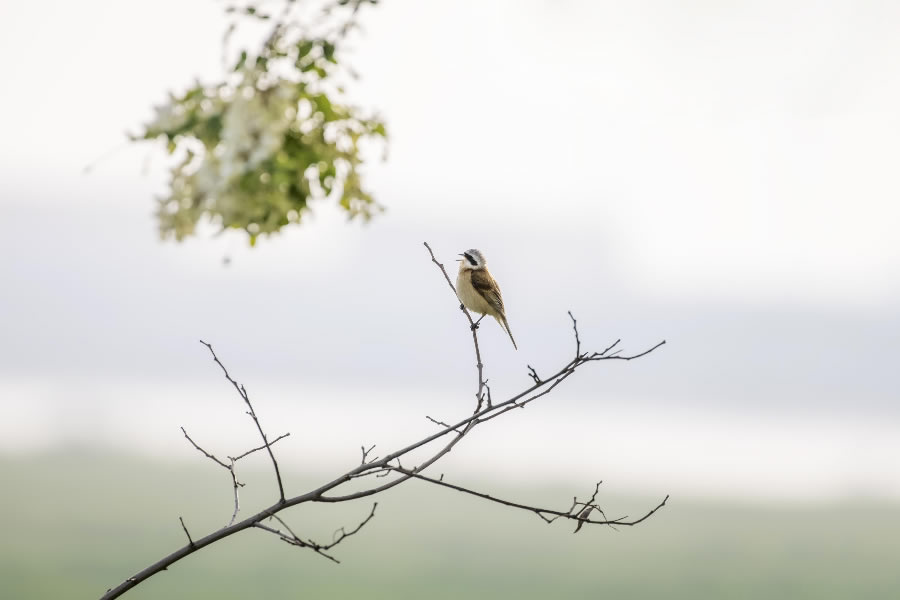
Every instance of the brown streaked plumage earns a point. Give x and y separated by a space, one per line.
478 291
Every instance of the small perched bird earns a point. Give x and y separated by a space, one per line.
478 291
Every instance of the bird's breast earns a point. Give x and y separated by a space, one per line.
469 296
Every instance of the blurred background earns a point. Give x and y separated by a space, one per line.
718 175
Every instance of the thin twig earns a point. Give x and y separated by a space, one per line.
248 452
479 365
541 512
633 356
441 423
204 452
339 535
243 393
577 339
365 454
608 348
230 468
183 526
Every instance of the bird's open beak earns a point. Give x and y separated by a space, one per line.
459 259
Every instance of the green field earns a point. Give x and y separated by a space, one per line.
75 524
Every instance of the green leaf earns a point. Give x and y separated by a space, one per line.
304 47
328 49
241 61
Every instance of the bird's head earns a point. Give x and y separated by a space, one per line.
472 259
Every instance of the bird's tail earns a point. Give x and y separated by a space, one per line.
505 325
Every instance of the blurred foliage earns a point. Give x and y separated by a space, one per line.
254 149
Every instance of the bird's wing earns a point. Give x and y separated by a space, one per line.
485 285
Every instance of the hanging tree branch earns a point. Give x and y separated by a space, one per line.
389 466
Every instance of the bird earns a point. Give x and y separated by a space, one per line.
478 291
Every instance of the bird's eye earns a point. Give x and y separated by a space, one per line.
471 260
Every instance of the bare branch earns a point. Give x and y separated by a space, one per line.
539 511
600 356
486 410
461 429
183 526
205 453
340 535
230 468
577 339
365 454
450 283
292 538
519 403
243 392
249 452
472 325
294 541
610 347
441 423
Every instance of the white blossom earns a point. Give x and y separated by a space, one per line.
254 127
168 116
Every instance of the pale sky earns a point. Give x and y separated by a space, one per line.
721 175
